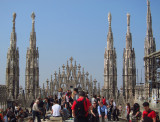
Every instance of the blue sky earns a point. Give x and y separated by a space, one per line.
66 28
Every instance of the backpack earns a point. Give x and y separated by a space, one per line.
79 108
1 118
148 119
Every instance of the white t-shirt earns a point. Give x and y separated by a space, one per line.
56 110
67 99
93 100
59 95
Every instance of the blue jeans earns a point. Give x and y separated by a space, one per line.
36 114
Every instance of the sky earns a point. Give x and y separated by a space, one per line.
66 28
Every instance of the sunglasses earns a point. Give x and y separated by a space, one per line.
94 103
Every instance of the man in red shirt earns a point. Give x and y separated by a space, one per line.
80 108
148 114
104 101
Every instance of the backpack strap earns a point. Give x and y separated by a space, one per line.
76 101
149 112
82 101
85 100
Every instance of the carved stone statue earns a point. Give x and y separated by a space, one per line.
33 16
128 19
14 17
109 18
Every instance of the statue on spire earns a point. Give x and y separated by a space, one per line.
71 59
14 17
128 19
128 23
33 17
148 3
109 18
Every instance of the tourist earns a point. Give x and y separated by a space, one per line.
94 99
31 105
1 116
136 115
13 106
55 97
51 101
45 105
27 111
75 92
98 99
148 114
5 118
109 113
65 112
113 103
128 109
16 110
80 108
36 111
21 116
11 116
60 96
102 111
70 103
67 99
94 112
42 108
56 109
111 106
104 100
115 114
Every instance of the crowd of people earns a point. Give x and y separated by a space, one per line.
77 105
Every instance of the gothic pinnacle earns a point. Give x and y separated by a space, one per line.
128 23
109 19
33 20
14 17
148 3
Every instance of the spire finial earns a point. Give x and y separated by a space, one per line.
149 20
14 17
33 20
33 17
59 70
71 59
51 78
109 19
148 3
128 23
63 66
